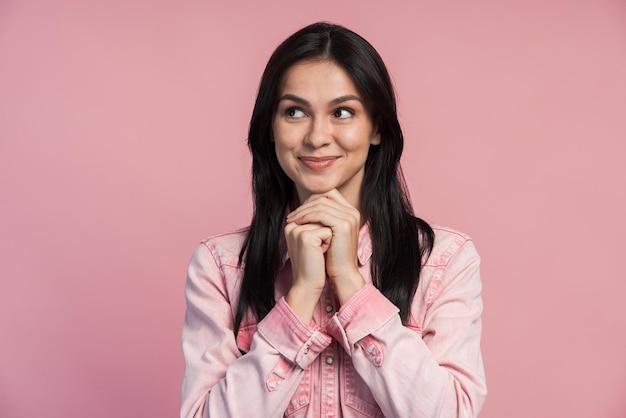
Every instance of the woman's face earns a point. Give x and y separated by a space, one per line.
322 130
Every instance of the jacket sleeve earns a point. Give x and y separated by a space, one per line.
221 382
436 374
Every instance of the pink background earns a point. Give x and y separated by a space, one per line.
122 144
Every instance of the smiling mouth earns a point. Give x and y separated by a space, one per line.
318 163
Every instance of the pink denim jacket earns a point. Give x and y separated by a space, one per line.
355 361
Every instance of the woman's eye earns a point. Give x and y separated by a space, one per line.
343 113
294 112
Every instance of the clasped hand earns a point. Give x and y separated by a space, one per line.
322 238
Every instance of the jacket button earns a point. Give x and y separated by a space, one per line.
330 360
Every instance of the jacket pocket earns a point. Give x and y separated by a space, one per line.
302 397
357 395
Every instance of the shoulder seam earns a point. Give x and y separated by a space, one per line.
209 244
451 250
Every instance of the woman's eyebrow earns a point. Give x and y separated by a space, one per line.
334 102
294 98
345 98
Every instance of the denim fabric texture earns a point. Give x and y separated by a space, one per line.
357 360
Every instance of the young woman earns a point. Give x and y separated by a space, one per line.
336 301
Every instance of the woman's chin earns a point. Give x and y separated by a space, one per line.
304 193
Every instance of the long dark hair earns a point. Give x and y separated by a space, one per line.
400 240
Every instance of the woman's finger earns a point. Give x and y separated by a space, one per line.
319 210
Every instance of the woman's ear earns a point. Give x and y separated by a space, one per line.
375 137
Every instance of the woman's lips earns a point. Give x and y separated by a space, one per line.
317 163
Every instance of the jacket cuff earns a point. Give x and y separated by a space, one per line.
365 312
299 343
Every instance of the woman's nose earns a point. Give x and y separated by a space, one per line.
319 134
